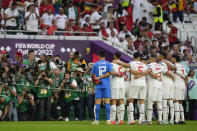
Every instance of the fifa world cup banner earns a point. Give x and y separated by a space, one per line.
47 47
88 49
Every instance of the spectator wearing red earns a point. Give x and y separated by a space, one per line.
172 35
46 6
70 27
120 15
5 3
148 34
129 17
103 32
164 5
138 42
86 28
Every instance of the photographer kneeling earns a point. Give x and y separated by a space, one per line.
27 107
4 102
69 96
44 93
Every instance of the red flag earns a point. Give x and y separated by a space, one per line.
95 58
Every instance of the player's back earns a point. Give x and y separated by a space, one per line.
179 76
117 81
156 69
141 67
100 68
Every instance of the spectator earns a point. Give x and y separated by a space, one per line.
32 18
164 5
61 20
143 25
183 63
110 15
189 60
172 35
72 12
113 38
126 42
47 20
147 33
153 51
138 42
179 13
103 33
137 10
11 16
45 7
191 93
124 32
95 19
120 16
187 46
176 49
185 53
194 6
111 28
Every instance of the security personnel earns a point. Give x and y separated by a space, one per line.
158 14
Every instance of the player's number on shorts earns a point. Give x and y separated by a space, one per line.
102 69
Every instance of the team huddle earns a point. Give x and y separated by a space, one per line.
153 81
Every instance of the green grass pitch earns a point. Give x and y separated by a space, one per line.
86 126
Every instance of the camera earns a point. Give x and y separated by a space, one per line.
43 76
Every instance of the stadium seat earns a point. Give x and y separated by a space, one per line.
184 35
188 27
192 34
194 19
179 25
187 19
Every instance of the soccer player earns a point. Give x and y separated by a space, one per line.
117 92
180 76
102 70
168 89
155 89
138 86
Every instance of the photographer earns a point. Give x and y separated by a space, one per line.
20 77
27 107
61 65
69 96
84 82
31 60
45 64
4 58
4 101
57 77
73 62
44 92
8 90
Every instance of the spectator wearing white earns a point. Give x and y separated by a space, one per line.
10 16
187 46
147 9
112 38
61 20
123 33
137 9
85 20
32 17
28 3
111 28
107 4
47 19
94 20
126 42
